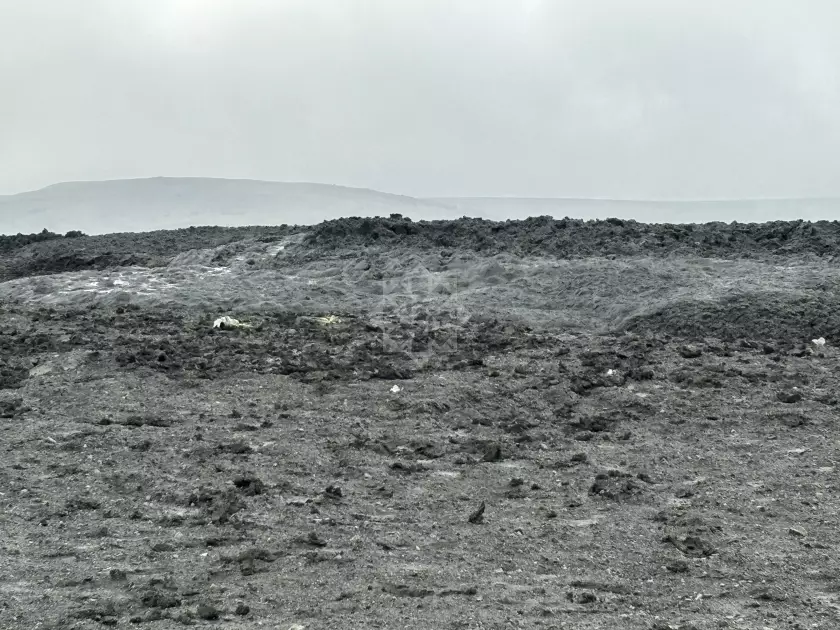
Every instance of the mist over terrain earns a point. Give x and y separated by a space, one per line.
529 98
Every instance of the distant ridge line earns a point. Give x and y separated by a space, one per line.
432 198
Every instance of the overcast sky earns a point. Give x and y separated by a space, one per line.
599 98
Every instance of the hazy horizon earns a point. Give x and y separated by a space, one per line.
650 100
161 203
674 200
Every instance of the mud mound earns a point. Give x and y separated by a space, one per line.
16 241
773 315
539 236
573 238
148 249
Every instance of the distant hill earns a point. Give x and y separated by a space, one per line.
137 205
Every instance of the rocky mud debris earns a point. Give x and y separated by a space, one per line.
600 450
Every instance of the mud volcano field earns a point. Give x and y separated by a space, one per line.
538 424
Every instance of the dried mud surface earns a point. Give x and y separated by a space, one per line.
544 424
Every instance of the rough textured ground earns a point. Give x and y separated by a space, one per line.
451 425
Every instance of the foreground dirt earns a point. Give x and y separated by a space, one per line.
382 471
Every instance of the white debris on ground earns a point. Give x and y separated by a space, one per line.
226 322
396 389
818 342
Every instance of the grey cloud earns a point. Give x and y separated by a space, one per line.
554 98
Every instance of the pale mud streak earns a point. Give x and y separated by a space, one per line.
544 292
